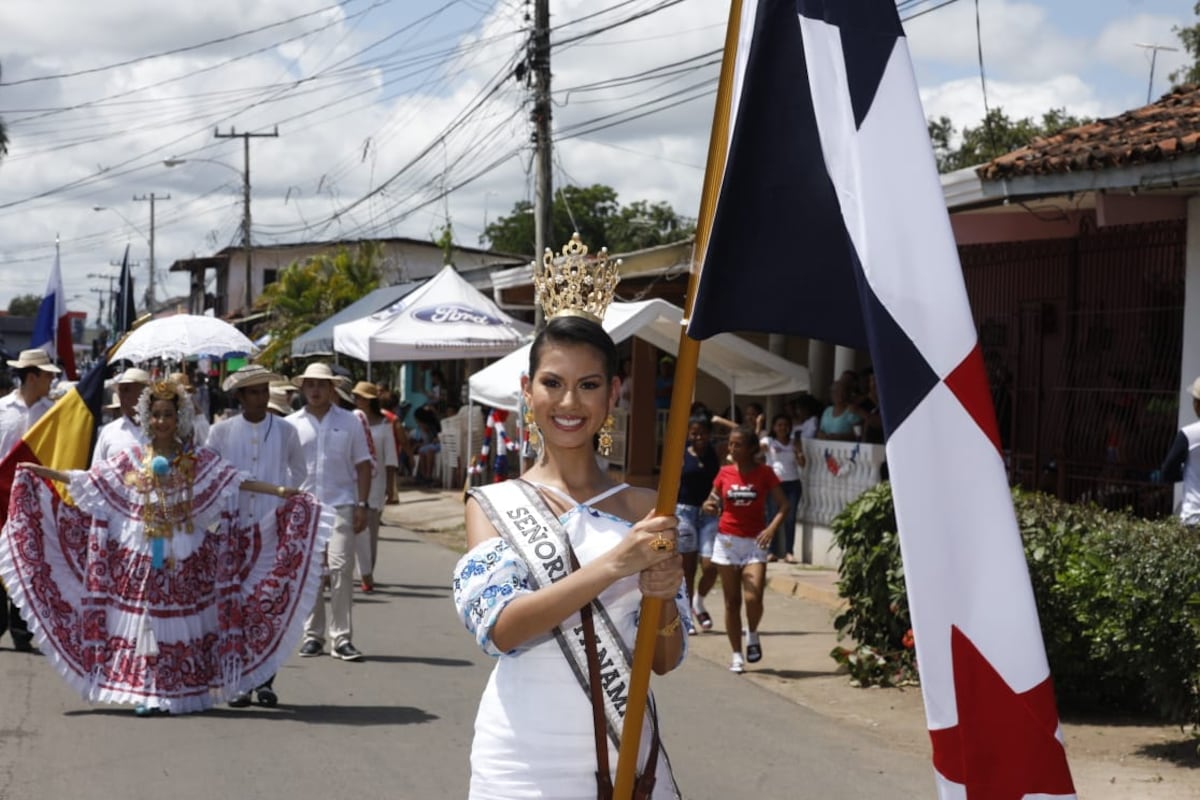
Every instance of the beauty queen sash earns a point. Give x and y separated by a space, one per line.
530 528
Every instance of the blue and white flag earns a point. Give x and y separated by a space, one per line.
52 326
831 224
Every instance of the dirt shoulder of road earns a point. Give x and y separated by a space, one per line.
1112 758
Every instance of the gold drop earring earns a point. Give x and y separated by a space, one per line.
531 428
606 438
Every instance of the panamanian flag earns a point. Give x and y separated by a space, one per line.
52 326
831 223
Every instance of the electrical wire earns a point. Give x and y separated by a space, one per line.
179 50
413 186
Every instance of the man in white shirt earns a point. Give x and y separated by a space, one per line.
124 432
338 458
268 448
18 411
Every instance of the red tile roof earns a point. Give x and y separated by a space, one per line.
1161 131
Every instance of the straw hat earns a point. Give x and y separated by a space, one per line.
250 375
319 371
279 402
35 358
366 389
134 375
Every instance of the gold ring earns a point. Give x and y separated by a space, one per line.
661 545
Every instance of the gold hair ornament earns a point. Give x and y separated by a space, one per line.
576 284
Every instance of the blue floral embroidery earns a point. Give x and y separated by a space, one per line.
486 580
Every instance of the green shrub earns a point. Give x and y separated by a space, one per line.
1118 598
872 580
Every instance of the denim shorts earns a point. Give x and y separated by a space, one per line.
697 530
738 551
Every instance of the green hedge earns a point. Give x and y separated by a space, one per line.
1118 599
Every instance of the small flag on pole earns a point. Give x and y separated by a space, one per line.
124 312
831 223
52 326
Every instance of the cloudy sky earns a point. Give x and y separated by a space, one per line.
396 114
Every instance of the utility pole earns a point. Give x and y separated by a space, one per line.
152 197
539 67
112 295
246 243
100 313
1153 48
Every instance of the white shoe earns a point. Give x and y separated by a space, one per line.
736 664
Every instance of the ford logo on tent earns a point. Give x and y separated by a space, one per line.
455 314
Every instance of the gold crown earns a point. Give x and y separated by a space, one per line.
578 285
164 390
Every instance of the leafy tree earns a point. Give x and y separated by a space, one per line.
641 224
995 136
307 293
1190 38
445 241
601 221
25 305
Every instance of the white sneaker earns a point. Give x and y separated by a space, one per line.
736 664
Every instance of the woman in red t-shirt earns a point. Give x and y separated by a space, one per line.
740 494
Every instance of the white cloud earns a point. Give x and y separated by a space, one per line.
962 100
1018 39
1118 45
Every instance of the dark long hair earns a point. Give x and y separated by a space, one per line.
748 436
575 330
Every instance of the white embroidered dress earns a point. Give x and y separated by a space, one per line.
534 731
220 615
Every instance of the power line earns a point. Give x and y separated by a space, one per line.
178 50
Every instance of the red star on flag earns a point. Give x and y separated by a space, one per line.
1004 745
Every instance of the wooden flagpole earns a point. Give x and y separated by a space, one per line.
681 400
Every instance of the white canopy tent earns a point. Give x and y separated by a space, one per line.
445 318
743 366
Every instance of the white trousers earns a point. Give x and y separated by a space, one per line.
340 558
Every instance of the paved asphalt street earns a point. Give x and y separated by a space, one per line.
398 725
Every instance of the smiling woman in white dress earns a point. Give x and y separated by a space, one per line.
534 732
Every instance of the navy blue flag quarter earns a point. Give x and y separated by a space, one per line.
124 312
778 254
830 223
